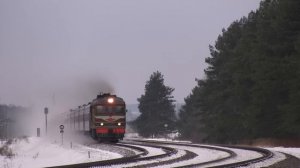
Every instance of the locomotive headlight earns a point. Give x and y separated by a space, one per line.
119 124
101 124
110 100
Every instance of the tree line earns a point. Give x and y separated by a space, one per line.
12 121
251 87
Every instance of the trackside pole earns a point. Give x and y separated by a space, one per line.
46 111
61 127
38 132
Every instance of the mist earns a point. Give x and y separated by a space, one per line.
59 100
61 54
48 46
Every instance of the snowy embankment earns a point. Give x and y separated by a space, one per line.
292 151
37 152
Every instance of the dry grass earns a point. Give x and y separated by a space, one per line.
5 150
270 142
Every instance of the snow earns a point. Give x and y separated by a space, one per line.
276 158
204 155
292 151
179 154
38 152
151 151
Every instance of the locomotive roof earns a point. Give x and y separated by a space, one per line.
102 99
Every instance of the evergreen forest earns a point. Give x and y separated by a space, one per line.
251 87
12 121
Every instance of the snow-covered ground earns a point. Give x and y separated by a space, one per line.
292 151
203 155
39 152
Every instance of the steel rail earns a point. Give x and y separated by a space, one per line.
135 144
124 160
108 162
266 154
231 154
169 151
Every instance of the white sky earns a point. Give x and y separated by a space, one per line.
65 51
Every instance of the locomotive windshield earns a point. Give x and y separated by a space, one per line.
109 109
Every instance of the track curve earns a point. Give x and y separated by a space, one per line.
218 163
230 154
175 154
127 159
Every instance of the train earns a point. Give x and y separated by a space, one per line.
104 118
107 119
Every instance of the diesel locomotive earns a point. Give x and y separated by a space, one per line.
107 118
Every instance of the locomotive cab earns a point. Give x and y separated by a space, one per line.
107 118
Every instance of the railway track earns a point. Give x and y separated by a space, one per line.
266 154
175 154
218 163
140 156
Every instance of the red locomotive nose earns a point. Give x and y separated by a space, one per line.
119 130
102 130
107 118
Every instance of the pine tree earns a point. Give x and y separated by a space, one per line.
252 86
191 123
156 107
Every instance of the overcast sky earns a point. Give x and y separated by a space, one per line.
63 52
